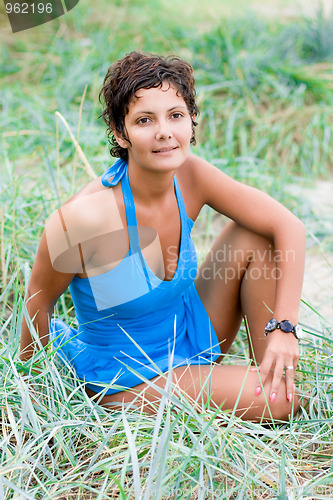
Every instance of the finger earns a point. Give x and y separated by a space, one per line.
290 381
277 376
263 371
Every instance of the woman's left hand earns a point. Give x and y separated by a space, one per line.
282 353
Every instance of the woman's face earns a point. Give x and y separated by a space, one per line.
159 128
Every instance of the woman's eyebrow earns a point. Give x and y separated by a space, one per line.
152 112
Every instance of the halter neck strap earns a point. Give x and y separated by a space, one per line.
132 225
115 173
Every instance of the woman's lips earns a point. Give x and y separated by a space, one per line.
165 150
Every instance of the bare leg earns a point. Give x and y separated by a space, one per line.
238 279
222 387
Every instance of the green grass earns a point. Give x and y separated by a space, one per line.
265 93
56 443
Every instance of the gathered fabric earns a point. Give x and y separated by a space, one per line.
114 174
132 325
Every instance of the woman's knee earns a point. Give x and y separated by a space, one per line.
282 408
243 238
260 408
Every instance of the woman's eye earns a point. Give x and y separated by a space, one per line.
143 120
177 115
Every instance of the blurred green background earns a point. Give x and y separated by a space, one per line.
264 75
263 70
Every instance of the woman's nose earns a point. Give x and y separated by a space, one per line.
163 130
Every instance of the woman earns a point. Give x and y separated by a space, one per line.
123 245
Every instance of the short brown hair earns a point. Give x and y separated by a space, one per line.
135 71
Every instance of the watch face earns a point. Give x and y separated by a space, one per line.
298 332
286 326
271 325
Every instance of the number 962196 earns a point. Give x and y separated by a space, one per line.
28 8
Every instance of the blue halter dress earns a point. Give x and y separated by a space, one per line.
131 323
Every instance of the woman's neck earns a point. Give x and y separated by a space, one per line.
150 187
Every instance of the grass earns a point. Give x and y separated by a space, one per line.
56 443
265 91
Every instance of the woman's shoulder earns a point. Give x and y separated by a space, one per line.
205 178
92 187
196 169
192 163
90 212
194 181
75 231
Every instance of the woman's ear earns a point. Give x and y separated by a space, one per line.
120 139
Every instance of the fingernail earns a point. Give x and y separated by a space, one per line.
273 396
290 398
258 391
253 369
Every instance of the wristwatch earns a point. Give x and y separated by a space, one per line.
285 326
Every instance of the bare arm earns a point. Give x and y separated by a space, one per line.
258 212
71 237
45 287
261 214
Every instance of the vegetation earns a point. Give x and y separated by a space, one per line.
266 100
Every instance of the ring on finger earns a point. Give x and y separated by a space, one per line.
289 367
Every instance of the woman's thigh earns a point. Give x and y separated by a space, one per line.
226 289
227 387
